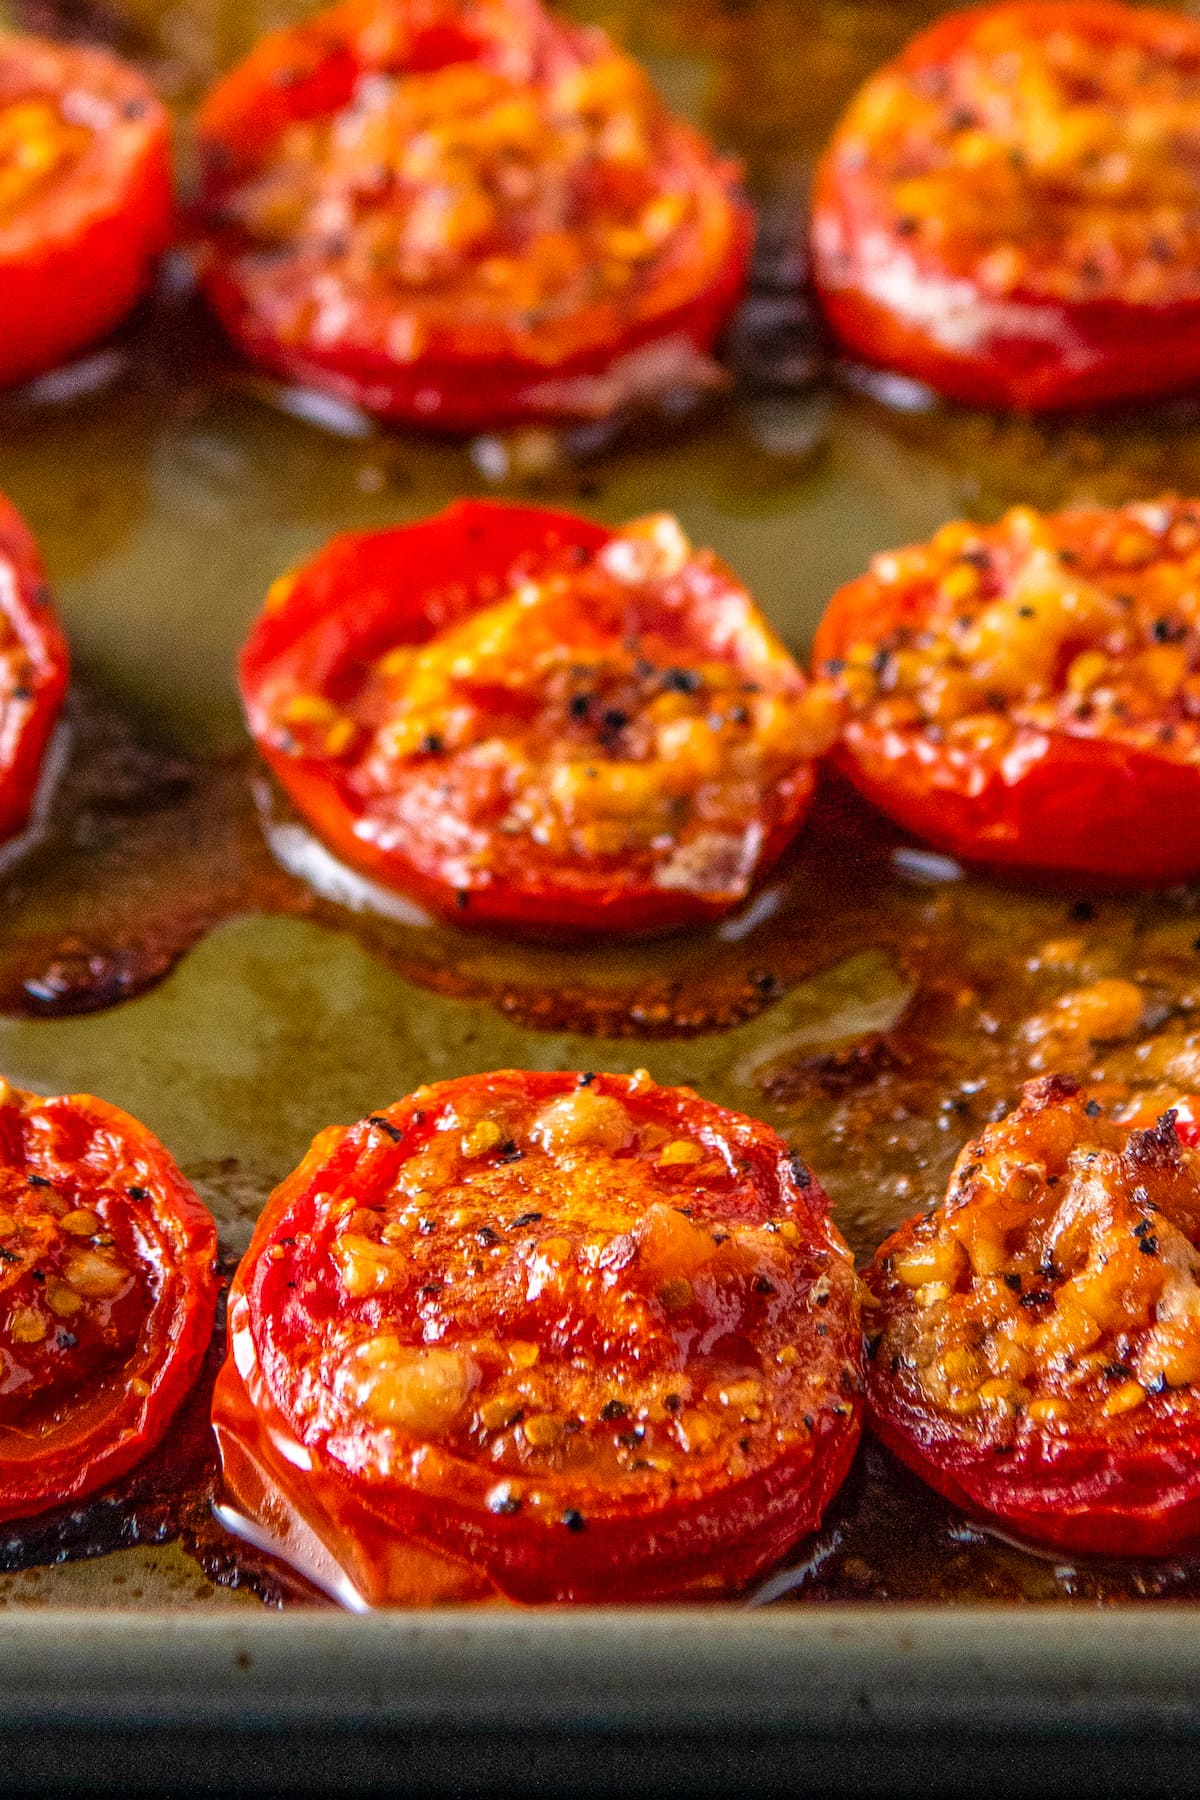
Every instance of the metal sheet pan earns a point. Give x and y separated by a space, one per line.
169 487
834 1701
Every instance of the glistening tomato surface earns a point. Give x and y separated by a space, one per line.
465 212
1028 694
1009 210
85 198
1038 1336
530 722
107 1296
33 669
588 1337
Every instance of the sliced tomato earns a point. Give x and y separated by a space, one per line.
590 1338
33 670
107 1296
1028 694
1037 1339
85 198
464 214
1009 211
529 722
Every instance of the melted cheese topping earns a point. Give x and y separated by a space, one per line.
1057 164
562 1288
36 144
1084 623
1060 1279
487 193
562 717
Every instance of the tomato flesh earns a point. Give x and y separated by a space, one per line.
532 723
462 215
33 670
107 1296
1038 1334
1008 211
1028 694
85 199
590 1337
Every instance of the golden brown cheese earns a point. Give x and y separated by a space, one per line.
1086 623
1044 162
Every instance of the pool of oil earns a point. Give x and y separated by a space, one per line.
170 937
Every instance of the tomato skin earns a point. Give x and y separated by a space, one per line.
457 398
408 585
95 1156
1069 1496
1079 801
900 307
468 376
320 1529
1033 362
664 1538
26 724
1076 808
80 252
1125 1483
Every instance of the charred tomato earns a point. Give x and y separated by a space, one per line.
1028 694
529 722
1008 211
583 1337
465 214
33 670
1037 1338
85 198
107 1296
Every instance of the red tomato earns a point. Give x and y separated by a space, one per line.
1010 211
107 1296
33 670
85 198
588 1337
1037 1341
460 213
1026 694
533 723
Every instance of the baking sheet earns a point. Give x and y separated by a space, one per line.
168 487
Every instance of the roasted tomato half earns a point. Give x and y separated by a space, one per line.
463 213
1037 1339
587 1337
85 198
1028 694
107 1296
530 722
33 669
1010 211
